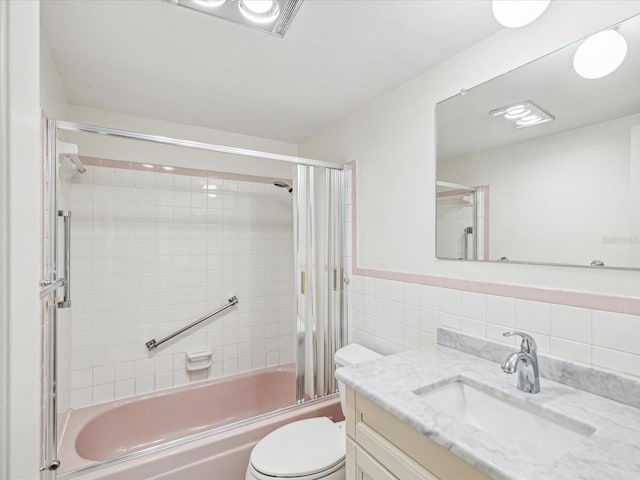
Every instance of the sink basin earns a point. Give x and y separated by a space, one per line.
542 435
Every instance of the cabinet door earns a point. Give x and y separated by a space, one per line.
368 469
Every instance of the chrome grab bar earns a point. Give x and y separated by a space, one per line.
151 344
49 286
66 301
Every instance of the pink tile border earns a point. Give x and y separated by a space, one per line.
596 301
192 172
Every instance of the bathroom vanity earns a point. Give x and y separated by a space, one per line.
444 412
382 447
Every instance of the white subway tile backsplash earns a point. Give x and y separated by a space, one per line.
429 297
449 301
562 331
412 294
450 321
473 305
501 310
580 352
533 316
571 323
616 360
616 331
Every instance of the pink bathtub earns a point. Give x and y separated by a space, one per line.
132 427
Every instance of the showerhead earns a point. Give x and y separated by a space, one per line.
281 184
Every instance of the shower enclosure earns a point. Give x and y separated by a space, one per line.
174 273
462 221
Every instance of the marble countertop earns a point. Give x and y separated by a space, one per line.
611 452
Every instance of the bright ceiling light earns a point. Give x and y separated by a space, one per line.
259 6
210 3
269 16
518 13
523 114
600 54
259 11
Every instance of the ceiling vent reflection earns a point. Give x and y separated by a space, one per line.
523 114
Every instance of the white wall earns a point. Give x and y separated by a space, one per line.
22 146
559 198
53 97
392 139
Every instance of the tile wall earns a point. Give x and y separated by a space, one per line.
152 251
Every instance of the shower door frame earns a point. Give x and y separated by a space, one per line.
51 265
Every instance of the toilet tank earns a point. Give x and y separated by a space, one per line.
350 355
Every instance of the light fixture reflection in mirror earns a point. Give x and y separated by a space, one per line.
600 54
518 13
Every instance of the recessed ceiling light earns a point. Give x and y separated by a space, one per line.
523 114
600 54
518 13
209 3
146 165
259 11
269 16
168 168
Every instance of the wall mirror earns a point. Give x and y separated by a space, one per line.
542 164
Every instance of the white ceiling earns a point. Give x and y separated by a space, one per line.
149 58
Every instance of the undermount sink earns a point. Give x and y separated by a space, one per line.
542 435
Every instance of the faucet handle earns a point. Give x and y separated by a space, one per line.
528 344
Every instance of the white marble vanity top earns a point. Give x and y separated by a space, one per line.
611 452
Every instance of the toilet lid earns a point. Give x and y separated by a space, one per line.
300 448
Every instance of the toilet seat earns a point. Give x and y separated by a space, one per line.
308 449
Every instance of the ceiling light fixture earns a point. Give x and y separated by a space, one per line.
600 54
523 114
259 11
269 16
518 13
146 165
168 168
210 3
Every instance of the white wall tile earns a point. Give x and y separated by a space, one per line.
571 323
449 301
429 297
150 255
501 310
616 331
473 305
580 352
616 360
533 316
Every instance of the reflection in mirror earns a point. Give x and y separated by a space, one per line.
542 165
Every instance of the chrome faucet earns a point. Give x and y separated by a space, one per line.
525 362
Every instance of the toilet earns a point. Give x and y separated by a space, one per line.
308 449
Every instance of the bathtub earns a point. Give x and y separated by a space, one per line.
145 437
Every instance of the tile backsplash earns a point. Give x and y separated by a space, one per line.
153 251
390 316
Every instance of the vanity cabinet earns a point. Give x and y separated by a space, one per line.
382 447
